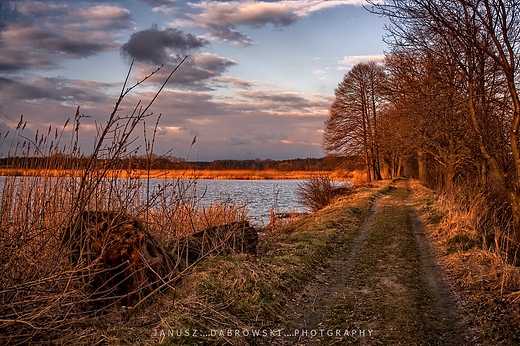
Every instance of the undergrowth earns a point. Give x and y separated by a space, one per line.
61 276
244 294
474 240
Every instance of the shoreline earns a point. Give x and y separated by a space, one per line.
179 174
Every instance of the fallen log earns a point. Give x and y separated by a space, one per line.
116 254
231 238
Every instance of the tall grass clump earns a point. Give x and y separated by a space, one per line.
472 230
481 254
476 219
59 228
478 228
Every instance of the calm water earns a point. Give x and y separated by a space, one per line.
258 195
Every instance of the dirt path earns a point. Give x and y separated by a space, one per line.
384 287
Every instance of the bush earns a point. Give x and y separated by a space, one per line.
318 192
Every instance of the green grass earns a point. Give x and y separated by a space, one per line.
387 290
240 292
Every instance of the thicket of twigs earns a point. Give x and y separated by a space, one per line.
318 192
57 234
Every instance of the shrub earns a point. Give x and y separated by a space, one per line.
318 192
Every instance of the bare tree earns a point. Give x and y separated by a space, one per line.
482 38
352 127
424 94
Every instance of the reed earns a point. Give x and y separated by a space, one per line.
248 174
47 278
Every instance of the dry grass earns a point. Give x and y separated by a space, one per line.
356 177
188 174
245 294
475 242
48 290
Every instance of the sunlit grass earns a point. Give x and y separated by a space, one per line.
246 174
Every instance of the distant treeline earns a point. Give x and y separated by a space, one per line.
328 163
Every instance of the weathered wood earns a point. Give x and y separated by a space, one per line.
117 255
236 237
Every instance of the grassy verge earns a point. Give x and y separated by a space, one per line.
489 286
241 295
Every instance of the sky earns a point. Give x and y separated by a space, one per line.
257 83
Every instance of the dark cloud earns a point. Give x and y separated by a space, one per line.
237 140
196 73
40 35
21 91
157 46
50 42
52 89
29 47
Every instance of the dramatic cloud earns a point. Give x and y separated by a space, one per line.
222 18
196 73
159 46
267 101
52 89
57 33
29 47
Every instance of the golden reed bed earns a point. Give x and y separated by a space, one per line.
178 174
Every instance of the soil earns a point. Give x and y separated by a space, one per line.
384 287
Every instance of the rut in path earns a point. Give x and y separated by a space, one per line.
383 287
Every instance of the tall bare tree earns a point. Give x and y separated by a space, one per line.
352 127
482 37
423 92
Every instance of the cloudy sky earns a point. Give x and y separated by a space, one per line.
258 81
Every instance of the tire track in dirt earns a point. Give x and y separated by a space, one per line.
307 311
311 310
383 287
443 292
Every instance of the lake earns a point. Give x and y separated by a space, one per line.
258 195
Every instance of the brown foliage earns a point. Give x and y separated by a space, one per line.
232 238
318 192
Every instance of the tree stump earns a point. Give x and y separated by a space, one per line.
117 255
231 238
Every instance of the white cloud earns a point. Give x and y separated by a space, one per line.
222 18
349 61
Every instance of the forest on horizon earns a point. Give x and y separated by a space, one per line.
328 163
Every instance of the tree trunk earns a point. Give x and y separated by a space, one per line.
421 161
